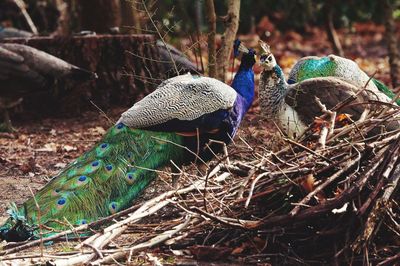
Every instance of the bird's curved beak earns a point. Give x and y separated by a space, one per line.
263 58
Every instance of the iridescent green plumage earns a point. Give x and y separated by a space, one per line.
102 181
335 66
315 68
383 88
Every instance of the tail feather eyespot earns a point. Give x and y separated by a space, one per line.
130 177
113 207
61 203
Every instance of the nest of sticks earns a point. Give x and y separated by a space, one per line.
330 197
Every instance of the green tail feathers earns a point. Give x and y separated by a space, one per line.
382 87
101 182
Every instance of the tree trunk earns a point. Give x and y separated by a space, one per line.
199 26
330 29
64 27
100 15
392 44
232 25
212 24
130 17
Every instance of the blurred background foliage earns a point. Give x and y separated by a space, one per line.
285 14
184 23
184 15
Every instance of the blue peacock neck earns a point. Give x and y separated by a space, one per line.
272 89
243 83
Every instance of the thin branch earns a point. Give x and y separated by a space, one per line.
159 35
22 7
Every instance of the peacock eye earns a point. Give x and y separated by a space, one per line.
269 58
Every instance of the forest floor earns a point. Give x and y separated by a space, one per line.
40 148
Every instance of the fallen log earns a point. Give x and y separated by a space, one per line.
127 66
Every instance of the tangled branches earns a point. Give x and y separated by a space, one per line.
333 196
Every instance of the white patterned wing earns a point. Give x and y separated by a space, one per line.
184 97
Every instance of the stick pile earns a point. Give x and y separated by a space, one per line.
330 197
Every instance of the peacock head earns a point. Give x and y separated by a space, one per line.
239 47
267 59
248 58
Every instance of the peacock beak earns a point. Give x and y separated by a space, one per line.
263 60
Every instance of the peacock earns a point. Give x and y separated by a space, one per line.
336 66
294 106
172 124
24 70
9 32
